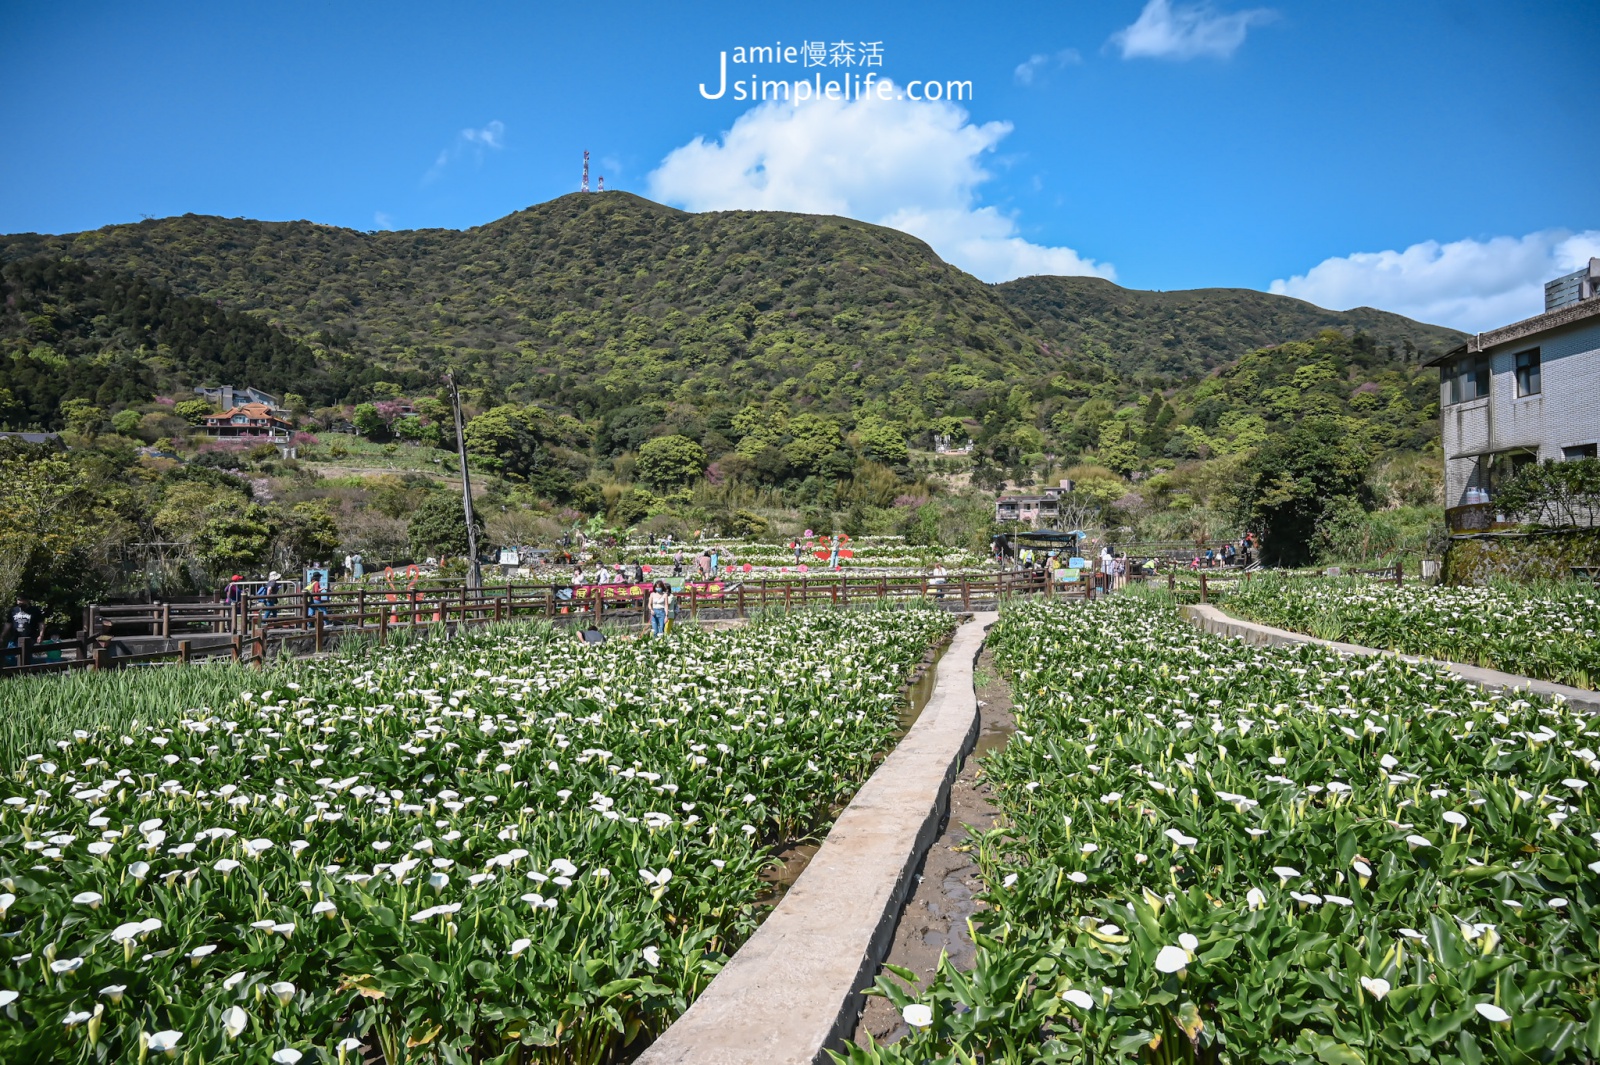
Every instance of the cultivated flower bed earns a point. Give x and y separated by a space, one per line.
511 847
860 553
1218 852
1550 632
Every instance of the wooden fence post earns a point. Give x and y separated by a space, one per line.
1399 573
183 651
741 599
317 638
966 593
261 647
166 621
238 646
1203 596
361 607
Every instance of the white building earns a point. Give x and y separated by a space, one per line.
1527 392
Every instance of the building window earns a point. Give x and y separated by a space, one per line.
1528 373
1580 451
1468 379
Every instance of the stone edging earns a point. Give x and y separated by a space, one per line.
793 990
1215 621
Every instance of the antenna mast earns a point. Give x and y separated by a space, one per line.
585 186
602 183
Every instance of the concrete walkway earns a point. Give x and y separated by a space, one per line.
1215 621
793 990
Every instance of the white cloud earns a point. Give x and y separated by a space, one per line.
1187 31
1472 285
1027 72
492 137
382 220
913 166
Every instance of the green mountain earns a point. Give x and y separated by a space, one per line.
635 318
1189 332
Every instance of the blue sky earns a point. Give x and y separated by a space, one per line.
1433 158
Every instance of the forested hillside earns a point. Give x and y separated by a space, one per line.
626 363
591 302
1188 332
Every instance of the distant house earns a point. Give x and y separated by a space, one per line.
1526 392
251 421
1043 508
227 396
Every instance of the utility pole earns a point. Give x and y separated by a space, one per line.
473 580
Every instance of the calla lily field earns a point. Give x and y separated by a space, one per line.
510 847
1219 852
1549 631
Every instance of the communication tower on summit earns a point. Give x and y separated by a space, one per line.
602 183
585 186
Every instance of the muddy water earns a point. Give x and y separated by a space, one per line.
935 920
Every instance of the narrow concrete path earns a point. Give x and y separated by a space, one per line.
1215 621
794 989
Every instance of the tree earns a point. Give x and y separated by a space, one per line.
439 527
235 542
812 439
368 422
1557 494
632 507
1296 479
50 520
305 533
668 462
126 422
522 443
882 441
193 411
82 416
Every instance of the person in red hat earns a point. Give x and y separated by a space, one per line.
233 590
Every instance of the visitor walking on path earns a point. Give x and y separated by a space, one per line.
660 599
269 595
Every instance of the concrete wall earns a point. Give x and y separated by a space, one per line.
1564 413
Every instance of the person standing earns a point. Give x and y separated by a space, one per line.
23 621
269 595
795 547
230 591
660 599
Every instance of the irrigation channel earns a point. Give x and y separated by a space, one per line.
794 988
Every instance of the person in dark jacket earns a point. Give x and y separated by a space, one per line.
23 621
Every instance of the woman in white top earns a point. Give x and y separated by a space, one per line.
660 596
